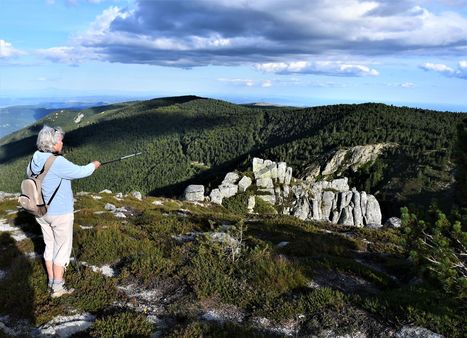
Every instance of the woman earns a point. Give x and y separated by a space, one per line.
57 224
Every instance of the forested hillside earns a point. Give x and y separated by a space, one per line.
191 139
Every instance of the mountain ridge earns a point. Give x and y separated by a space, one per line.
175 132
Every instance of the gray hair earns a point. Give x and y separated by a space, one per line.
48 137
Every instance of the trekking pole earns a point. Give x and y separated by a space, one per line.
76 261
121 158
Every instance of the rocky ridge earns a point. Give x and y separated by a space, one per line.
339 161
331 201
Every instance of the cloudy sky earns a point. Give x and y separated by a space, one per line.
301 52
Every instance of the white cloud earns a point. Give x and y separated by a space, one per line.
7 51
333 68
69 55
407 85
266 84
438 67
210 32
247 82
460 72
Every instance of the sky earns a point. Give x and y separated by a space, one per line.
292 52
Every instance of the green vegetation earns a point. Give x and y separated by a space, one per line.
177 260
171 247
176 134
122 325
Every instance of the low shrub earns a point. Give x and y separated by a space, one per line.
126 324
149 263
422 306
236 204
103 245
255 278
263 207
93 291
307 303
197 329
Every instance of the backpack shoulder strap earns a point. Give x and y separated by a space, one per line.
47 166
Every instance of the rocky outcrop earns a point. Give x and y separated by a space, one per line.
336 163
331 201
393 222
416 332
194 193
334 202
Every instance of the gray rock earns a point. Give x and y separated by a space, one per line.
278 193
110 207
251 203
228 190
286 191
231 178
335 162
119 195
119 215
281 168
298 191
258 164
393 222
65 326
360 155
302 209
105 191
244 183
316 207
288 176
373 225
373 211
340 184
353 158
357 209
216 196
194 193
416 332
327 200
270 198
363 204
274 171
265 172
312 172
345 199
265 182
335 216
225 238
282 244
137 195
346 217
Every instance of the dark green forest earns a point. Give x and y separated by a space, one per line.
192 139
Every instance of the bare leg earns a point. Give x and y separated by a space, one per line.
50 271
58 272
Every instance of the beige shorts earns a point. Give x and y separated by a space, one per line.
58 237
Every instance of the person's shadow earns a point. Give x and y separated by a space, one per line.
19 283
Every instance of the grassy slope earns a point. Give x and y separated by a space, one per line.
363 276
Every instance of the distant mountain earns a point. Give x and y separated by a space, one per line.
13 118
177 134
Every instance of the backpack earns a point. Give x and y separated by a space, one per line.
31 198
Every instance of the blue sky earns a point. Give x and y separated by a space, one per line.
297 52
